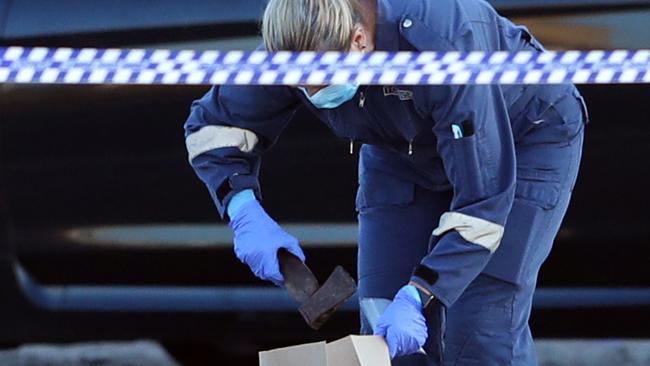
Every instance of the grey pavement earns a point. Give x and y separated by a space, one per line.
594 353
147 353
140 353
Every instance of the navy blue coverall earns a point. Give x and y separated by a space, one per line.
493 198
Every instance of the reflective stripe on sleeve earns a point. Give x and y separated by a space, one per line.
215 137
477 231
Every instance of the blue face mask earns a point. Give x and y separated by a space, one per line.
332 96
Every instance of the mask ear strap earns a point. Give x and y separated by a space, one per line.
304 91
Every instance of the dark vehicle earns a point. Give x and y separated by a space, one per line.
107 233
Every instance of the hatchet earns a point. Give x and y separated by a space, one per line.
318 303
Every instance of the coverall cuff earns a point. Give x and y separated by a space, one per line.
230 188
437 292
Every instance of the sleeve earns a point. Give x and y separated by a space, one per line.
475 143
227 132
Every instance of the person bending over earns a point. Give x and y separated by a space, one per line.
462 189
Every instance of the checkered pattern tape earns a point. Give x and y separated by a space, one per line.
20 65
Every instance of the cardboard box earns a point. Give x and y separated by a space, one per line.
349 351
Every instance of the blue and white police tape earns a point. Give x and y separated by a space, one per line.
20 65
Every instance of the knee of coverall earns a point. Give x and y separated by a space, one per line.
383 202
546 175
393 238
488 325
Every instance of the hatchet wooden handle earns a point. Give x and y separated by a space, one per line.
299 281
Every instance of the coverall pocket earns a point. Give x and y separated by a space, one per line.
472 168
379 189
571 111
537 188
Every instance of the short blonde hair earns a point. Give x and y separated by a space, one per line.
310 25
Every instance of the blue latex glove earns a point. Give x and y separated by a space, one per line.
258 239
403 324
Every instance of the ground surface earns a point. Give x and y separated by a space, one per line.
146 353
141 353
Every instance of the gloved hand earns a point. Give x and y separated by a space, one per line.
403 324
258 239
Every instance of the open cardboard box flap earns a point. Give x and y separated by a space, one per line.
349 351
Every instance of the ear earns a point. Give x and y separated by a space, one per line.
359 39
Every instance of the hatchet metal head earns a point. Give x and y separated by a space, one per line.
338 288
318 302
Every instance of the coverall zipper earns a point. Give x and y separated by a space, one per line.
362 104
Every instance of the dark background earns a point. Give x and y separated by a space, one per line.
82 159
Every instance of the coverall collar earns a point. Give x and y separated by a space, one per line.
387 31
